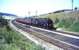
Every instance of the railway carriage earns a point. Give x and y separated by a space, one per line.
45 23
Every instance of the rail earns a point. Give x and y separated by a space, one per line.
60 39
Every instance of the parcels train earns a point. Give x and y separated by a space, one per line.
45 23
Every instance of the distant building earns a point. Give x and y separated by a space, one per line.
65 10
7 16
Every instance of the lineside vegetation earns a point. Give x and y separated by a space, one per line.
11 40
68 21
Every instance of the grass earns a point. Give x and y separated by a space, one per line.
12 40
67 20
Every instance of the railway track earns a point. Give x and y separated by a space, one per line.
60 39
70 33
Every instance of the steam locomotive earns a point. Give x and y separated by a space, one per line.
45 23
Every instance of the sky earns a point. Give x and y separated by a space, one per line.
23 7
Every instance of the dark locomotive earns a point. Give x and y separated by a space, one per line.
45 23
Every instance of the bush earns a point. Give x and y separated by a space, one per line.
75 27
15 41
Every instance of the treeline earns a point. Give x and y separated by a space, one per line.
3 22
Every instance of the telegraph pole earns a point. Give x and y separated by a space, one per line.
72 4
29 13
36 13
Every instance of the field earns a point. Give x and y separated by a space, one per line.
68 21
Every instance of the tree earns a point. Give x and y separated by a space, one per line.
3 21
75 8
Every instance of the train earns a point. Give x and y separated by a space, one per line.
45 23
